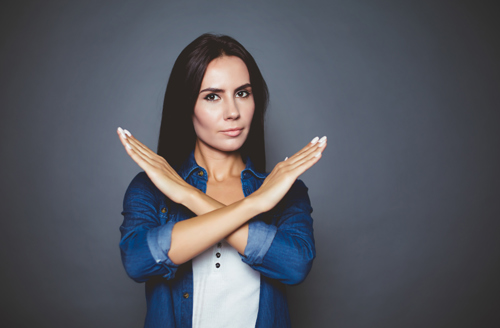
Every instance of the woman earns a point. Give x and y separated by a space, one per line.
215 239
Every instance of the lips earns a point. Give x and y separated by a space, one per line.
232 132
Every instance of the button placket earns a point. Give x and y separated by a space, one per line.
217 255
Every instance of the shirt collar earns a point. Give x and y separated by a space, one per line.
189 166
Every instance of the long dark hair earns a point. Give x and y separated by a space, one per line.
177 136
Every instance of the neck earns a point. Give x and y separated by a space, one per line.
219 165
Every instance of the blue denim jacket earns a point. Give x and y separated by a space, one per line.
280 246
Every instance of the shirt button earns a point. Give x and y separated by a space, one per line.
218 254
186 295
217 265
163 210
200 173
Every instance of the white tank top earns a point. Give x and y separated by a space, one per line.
225 290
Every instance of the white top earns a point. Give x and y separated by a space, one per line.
225 290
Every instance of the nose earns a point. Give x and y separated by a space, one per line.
231 111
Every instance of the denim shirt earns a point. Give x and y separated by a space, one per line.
280 246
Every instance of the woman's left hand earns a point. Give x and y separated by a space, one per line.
156 167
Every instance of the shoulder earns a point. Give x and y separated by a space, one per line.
297 197
141 180
141 186
299 187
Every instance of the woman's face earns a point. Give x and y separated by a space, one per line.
224 109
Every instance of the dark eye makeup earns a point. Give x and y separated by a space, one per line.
242 93
239 94
211 97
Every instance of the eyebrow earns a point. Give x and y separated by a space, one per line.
244 86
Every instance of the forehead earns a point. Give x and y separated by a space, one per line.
225 72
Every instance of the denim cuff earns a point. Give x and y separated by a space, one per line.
260 238
159 243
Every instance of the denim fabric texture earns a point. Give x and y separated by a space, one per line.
280 246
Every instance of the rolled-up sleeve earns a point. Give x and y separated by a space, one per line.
260 237
145 241
284 250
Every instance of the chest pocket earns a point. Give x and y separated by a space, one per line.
170 211
163 211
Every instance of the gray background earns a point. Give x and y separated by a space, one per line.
405 197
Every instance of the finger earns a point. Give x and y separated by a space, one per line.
148 155
308 146
139 145
132 148
121 134
317 152
144 151
306 151
152 156
143 161
123 137
310 159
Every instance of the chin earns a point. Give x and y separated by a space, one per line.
231 147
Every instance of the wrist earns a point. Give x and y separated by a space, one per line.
253 204
191 196
199 203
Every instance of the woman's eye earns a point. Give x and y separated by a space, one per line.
242 94
212 97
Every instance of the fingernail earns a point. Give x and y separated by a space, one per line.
318 154
130 134
286 158
314 140
323 139
128 146
122 133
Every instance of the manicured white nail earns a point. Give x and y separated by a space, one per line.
323 139
286 158
322 142
127 133
317 155
314 140
128 146
122 133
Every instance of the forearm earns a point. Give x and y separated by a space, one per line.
200 203
238 239
193 236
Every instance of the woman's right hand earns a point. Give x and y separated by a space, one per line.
284 174
164 177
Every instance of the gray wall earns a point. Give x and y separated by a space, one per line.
405 197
